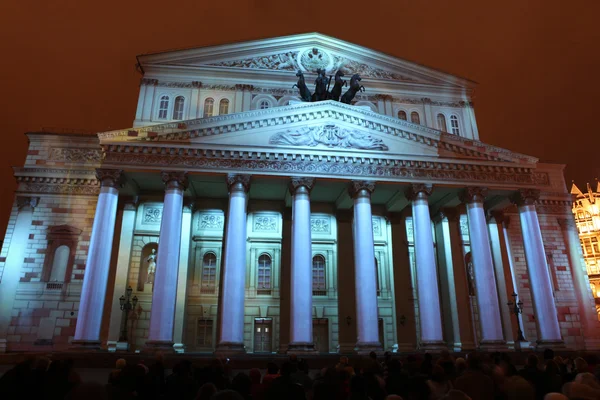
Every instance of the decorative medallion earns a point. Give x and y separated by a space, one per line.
265 224
329 136
313 59
152 215
211 222
320 225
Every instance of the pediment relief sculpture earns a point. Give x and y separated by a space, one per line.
329 136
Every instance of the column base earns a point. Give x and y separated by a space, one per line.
492 345
433 345
549 344
179 348
154 346
85 345
114 347
590 344
346 348
230 348
301 348
364 348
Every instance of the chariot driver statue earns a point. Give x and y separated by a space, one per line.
151 260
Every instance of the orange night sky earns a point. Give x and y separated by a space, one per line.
69 64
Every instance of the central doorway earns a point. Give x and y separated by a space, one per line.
321 335
263 331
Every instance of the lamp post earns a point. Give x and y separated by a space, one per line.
517 308
127 304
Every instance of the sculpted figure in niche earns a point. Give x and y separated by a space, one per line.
151 260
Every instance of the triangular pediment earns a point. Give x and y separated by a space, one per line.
305 52
322 129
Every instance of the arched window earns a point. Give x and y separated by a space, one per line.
163 107
178 108
209 105
402 115
264 104
441 121
414 117
209 272
264 274
318 276
223 107
60 263
377 277
454 125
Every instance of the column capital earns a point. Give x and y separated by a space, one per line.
473 194
357 186
174 179
110 177
567 223
24 201
299 182
418 191
238 180
525 197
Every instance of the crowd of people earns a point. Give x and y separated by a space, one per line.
478 377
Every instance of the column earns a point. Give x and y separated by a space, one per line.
301 336
149 98
231 314
427 280
504 278
164 295
364 268
581 285
182 278
483 266
17 247
93 291
453 279
541 288
123 258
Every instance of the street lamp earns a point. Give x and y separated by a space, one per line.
127 304
517 308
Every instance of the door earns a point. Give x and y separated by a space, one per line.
380 327
321 335
262 335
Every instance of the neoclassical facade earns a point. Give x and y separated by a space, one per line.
246 220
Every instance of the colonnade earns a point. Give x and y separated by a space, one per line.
231 304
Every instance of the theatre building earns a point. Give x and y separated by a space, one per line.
245 219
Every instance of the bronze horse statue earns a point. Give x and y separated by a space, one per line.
339 83
302 88
355 86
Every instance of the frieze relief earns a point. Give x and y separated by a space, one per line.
376 226
211 222
75 155
320 225
330 136
265 224
152 215
58 188
282 61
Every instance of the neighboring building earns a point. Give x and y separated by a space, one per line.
243 217
587 217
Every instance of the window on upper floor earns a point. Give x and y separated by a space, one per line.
454 125
264 274
178 107
264 104
209 105
163 107
441 121
318 276
414 117
402 115
223 107
209 272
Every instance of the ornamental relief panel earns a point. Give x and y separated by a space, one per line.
264 224
152 215
211 222
75 155
376 226
320 225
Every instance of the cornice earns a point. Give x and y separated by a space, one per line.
55 185
305 112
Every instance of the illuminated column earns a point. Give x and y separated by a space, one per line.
541 288
17 247
364 268
164 295
483 265
427 280
184 262
301 338
585 299
231 320
95 279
